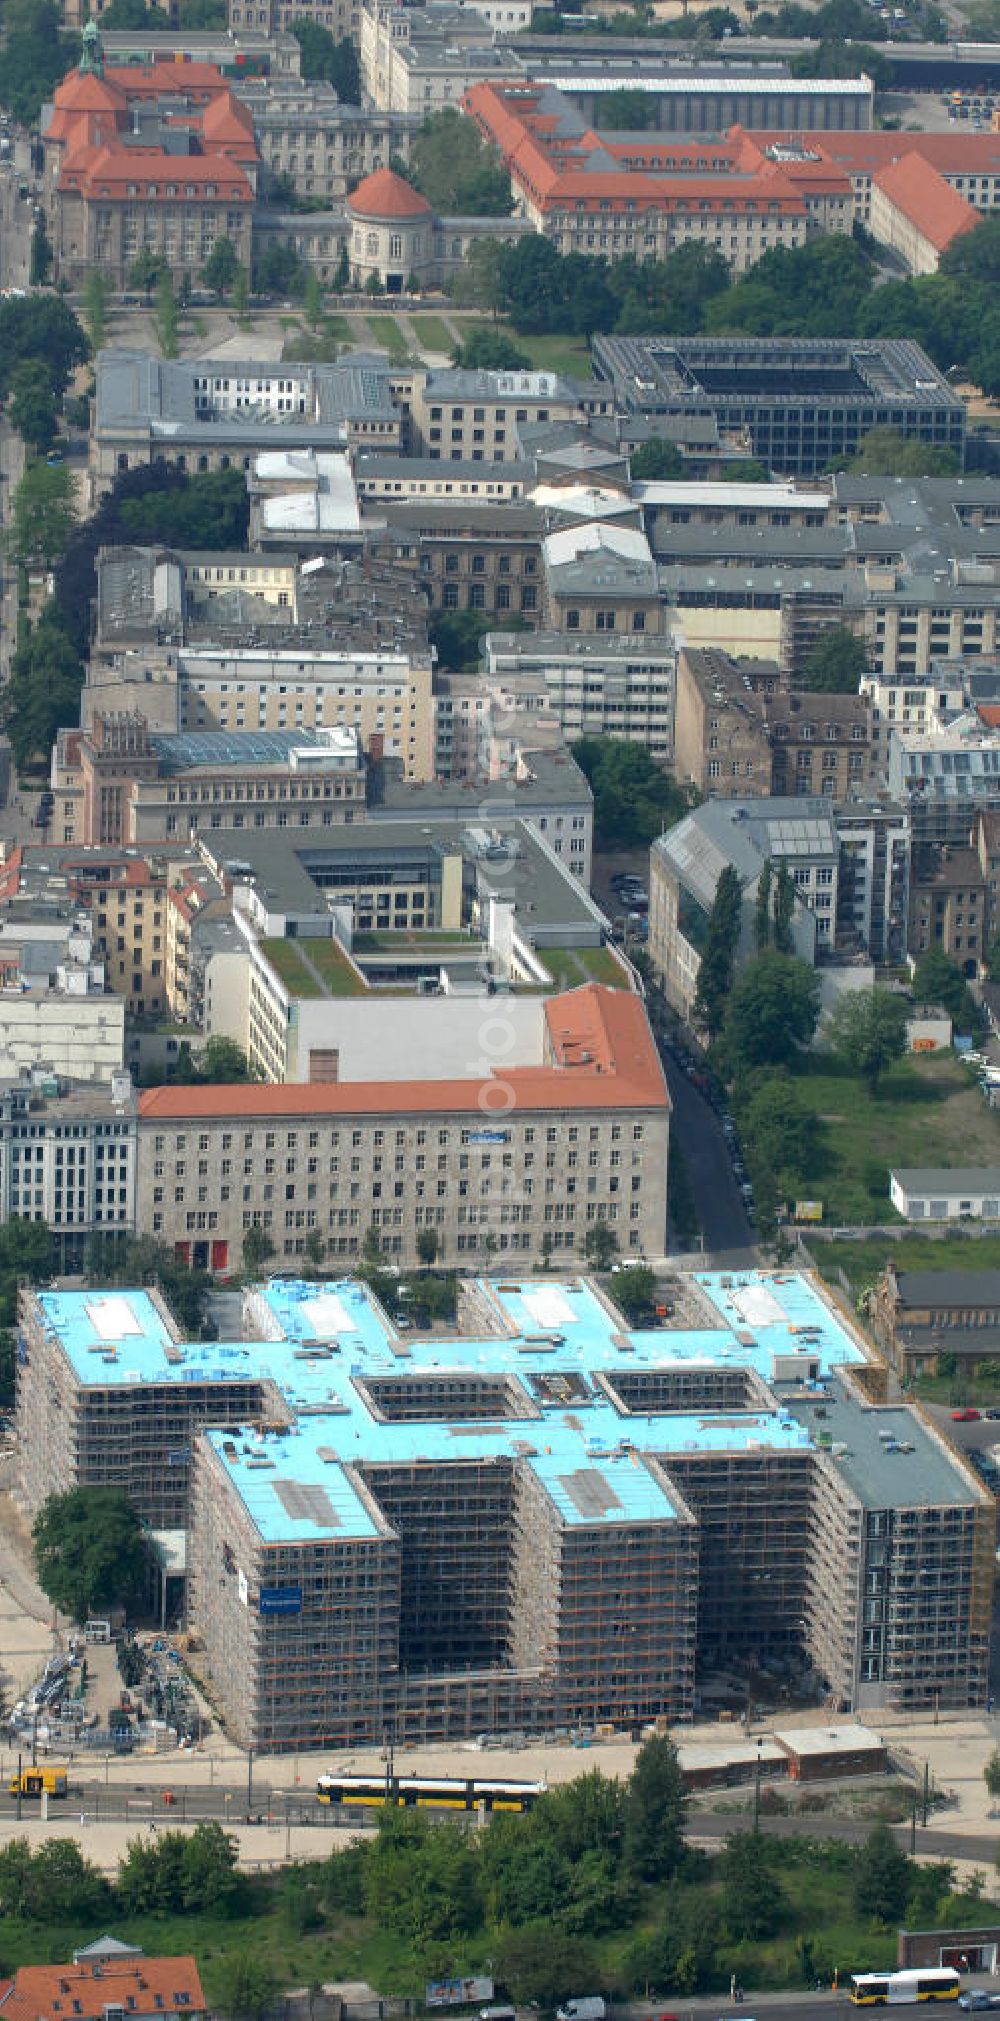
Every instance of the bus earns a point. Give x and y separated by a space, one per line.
891 1989
428 1793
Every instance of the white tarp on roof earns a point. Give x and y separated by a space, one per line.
593 538
327 1315
549 1307
111 1318
757 1306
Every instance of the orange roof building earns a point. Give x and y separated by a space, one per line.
642 194
144 1988
917 213
154 159
575 1122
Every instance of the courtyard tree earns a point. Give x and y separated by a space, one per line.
772 1012
835 664
991 1774
718 954
221 267
600 1245
89 1551
655 1807
32 407
258 1248
867 1030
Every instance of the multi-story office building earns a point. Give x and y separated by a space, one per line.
124 894
159 160
68 1158
686 863
741 732
803 402
544 1520
120 782
323 147
557 1121
256 642
590 685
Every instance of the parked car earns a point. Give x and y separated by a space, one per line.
967 1416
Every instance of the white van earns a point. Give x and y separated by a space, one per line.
497 2014
589 2008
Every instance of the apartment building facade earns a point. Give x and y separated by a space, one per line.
561 1146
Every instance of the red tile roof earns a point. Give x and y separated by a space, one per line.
664 173
922 196
385 195
82 1992
90 121
603 1057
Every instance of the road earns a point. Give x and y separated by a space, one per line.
728 1236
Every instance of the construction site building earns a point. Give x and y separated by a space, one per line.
539 1518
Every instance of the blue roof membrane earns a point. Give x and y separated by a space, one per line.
329 1339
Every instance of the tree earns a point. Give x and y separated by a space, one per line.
221 267
211 1882
779 1130
40 266
312 301
626 111
241 293
718 953
278 270
39 327
458 172
600 1245
753 1901
455 636
938 980
89 1551
427 1247
55 1884
324 57
166 316
43 692
95 307
487 350
634 798
762 910
32 408
633 1291
784 909
657 461
248 1985
881 1877
772 1011
746 470
257 1248
36 58
42 518
655 1808
835 664
422 1878
146 272
886 452
867 1030
538 1963
478 283
991 1774
223 1060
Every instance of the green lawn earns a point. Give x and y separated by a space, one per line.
925 1111
337 328
569 966
287 962
862 1262
387 334
337 973
569 355
433 334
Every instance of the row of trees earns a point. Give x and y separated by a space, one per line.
158 503
830 287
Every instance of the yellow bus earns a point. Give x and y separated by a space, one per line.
892 1989
429 1793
